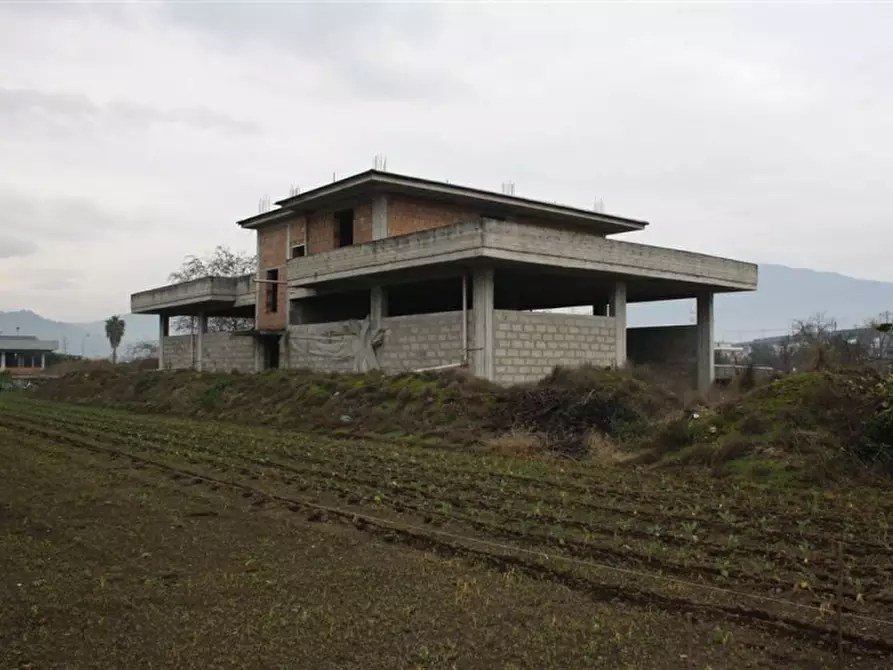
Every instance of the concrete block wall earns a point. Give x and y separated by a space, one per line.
179 351
221 352
410 342
225 352
422 341
527 345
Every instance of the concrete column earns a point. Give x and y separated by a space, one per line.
705 354
2 360
378 306
200 344
380 217
482 297
618 311
43 361
163 331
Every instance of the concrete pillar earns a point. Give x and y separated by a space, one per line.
378 306
705 353
2 360
380 217
163 331
200 344
618 311
482 305
43 360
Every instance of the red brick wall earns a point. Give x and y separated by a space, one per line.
273 242
410 215
298 228
320 233
362 223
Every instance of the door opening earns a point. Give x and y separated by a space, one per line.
270 345
344 228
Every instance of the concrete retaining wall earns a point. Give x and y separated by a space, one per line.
527 345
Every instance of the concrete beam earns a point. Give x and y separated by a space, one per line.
706 371
378 305
483 285
164 327
681 273
200 345
618 311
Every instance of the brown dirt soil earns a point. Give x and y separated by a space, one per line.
137 541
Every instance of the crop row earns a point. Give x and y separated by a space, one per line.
495 513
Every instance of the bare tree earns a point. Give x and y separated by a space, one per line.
818 344
139 351
222 262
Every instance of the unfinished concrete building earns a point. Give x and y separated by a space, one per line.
384 271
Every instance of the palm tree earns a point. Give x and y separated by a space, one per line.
114 330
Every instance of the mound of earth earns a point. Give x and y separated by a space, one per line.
811 422
563 408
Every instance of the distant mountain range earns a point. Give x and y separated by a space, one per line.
784 295
78 338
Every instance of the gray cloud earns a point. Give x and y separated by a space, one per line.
61 218
71 112
12 246
363 47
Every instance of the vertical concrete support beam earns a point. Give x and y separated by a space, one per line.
378 306
2 360
618 311
43 361
380 217
705 342
200 345
482 299
163 331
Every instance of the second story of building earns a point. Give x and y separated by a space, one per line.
374 205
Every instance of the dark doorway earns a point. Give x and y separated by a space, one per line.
344 228
270 344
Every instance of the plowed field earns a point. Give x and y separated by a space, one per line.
131 540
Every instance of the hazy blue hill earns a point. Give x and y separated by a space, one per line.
89 336
784 294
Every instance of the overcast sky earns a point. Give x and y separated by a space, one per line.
131 136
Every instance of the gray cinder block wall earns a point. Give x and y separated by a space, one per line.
422 341
221 352
410 343
225 352
527 345
179 351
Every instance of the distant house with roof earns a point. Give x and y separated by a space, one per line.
24 355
